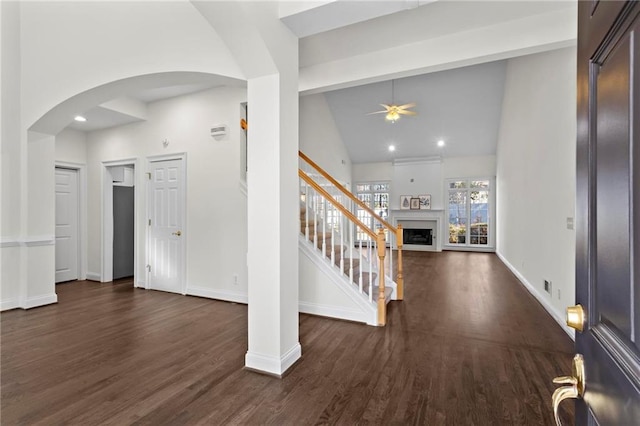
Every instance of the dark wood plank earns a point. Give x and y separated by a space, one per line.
467 346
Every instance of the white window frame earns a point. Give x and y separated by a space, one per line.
491 235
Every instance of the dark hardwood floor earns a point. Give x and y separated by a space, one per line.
468 346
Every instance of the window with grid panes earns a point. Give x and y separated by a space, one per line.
376 196
469 210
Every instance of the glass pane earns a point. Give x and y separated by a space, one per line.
363 187
479 184
457 217
458 184
381 187
479 228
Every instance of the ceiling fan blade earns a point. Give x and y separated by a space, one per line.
388 107
409 105
377 112
405 112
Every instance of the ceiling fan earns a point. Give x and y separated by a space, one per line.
394 111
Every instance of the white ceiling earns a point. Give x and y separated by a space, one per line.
461 107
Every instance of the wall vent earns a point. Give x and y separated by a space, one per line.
218 130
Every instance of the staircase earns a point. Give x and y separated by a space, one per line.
346 267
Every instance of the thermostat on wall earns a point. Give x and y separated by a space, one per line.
218 130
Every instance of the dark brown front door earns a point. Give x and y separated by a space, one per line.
608 211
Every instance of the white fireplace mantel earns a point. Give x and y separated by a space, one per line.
436 215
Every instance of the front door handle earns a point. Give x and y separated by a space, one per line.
177 233
575 388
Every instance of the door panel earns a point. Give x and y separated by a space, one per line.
608 211
166 229
66 224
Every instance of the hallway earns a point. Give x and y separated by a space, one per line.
469 345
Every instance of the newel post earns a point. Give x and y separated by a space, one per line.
382 305
400 278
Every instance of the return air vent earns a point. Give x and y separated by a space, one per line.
218 130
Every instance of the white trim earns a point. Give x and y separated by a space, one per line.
226 295
38 241
5 305
81 168
543 301
9 242
273 364
140 284
182 156
106 218
435 159
34 302
332 312
35 241
479 249
93 276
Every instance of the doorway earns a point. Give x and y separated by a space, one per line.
123 221
119 242
166 221
67 225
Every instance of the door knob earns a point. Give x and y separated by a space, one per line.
177 233
575 388
575 317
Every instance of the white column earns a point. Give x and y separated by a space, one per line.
272 223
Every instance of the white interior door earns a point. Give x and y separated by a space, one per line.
66 225
166 226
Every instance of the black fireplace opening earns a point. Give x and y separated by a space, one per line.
417 236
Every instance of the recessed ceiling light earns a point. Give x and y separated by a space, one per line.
440 142
80 118
392 148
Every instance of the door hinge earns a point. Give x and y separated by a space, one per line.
149 222
149 175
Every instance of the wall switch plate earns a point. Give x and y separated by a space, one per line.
569 223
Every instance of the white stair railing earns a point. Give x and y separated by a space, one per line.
332 233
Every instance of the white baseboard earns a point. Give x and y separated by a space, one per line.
140 284
93 276
226 295
334 312
557 316
273 364
5 305
34 302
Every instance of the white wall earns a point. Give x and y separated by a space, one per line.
216 235
320 139
71 47
475 166
536 174
71 146
11 155
428 177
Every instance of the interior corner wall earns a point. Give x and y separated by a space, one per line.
12 154
320 139
216 210
71 146
536 175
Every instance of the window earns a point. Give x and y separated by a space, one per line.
376 196
469 209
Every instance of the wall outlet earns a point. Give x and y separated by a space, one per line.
547 286
235 279
558 294
569 223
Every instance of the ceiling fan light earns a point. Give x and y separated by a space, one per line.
392 116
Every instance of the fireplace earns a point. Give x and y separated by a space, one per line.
422 237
